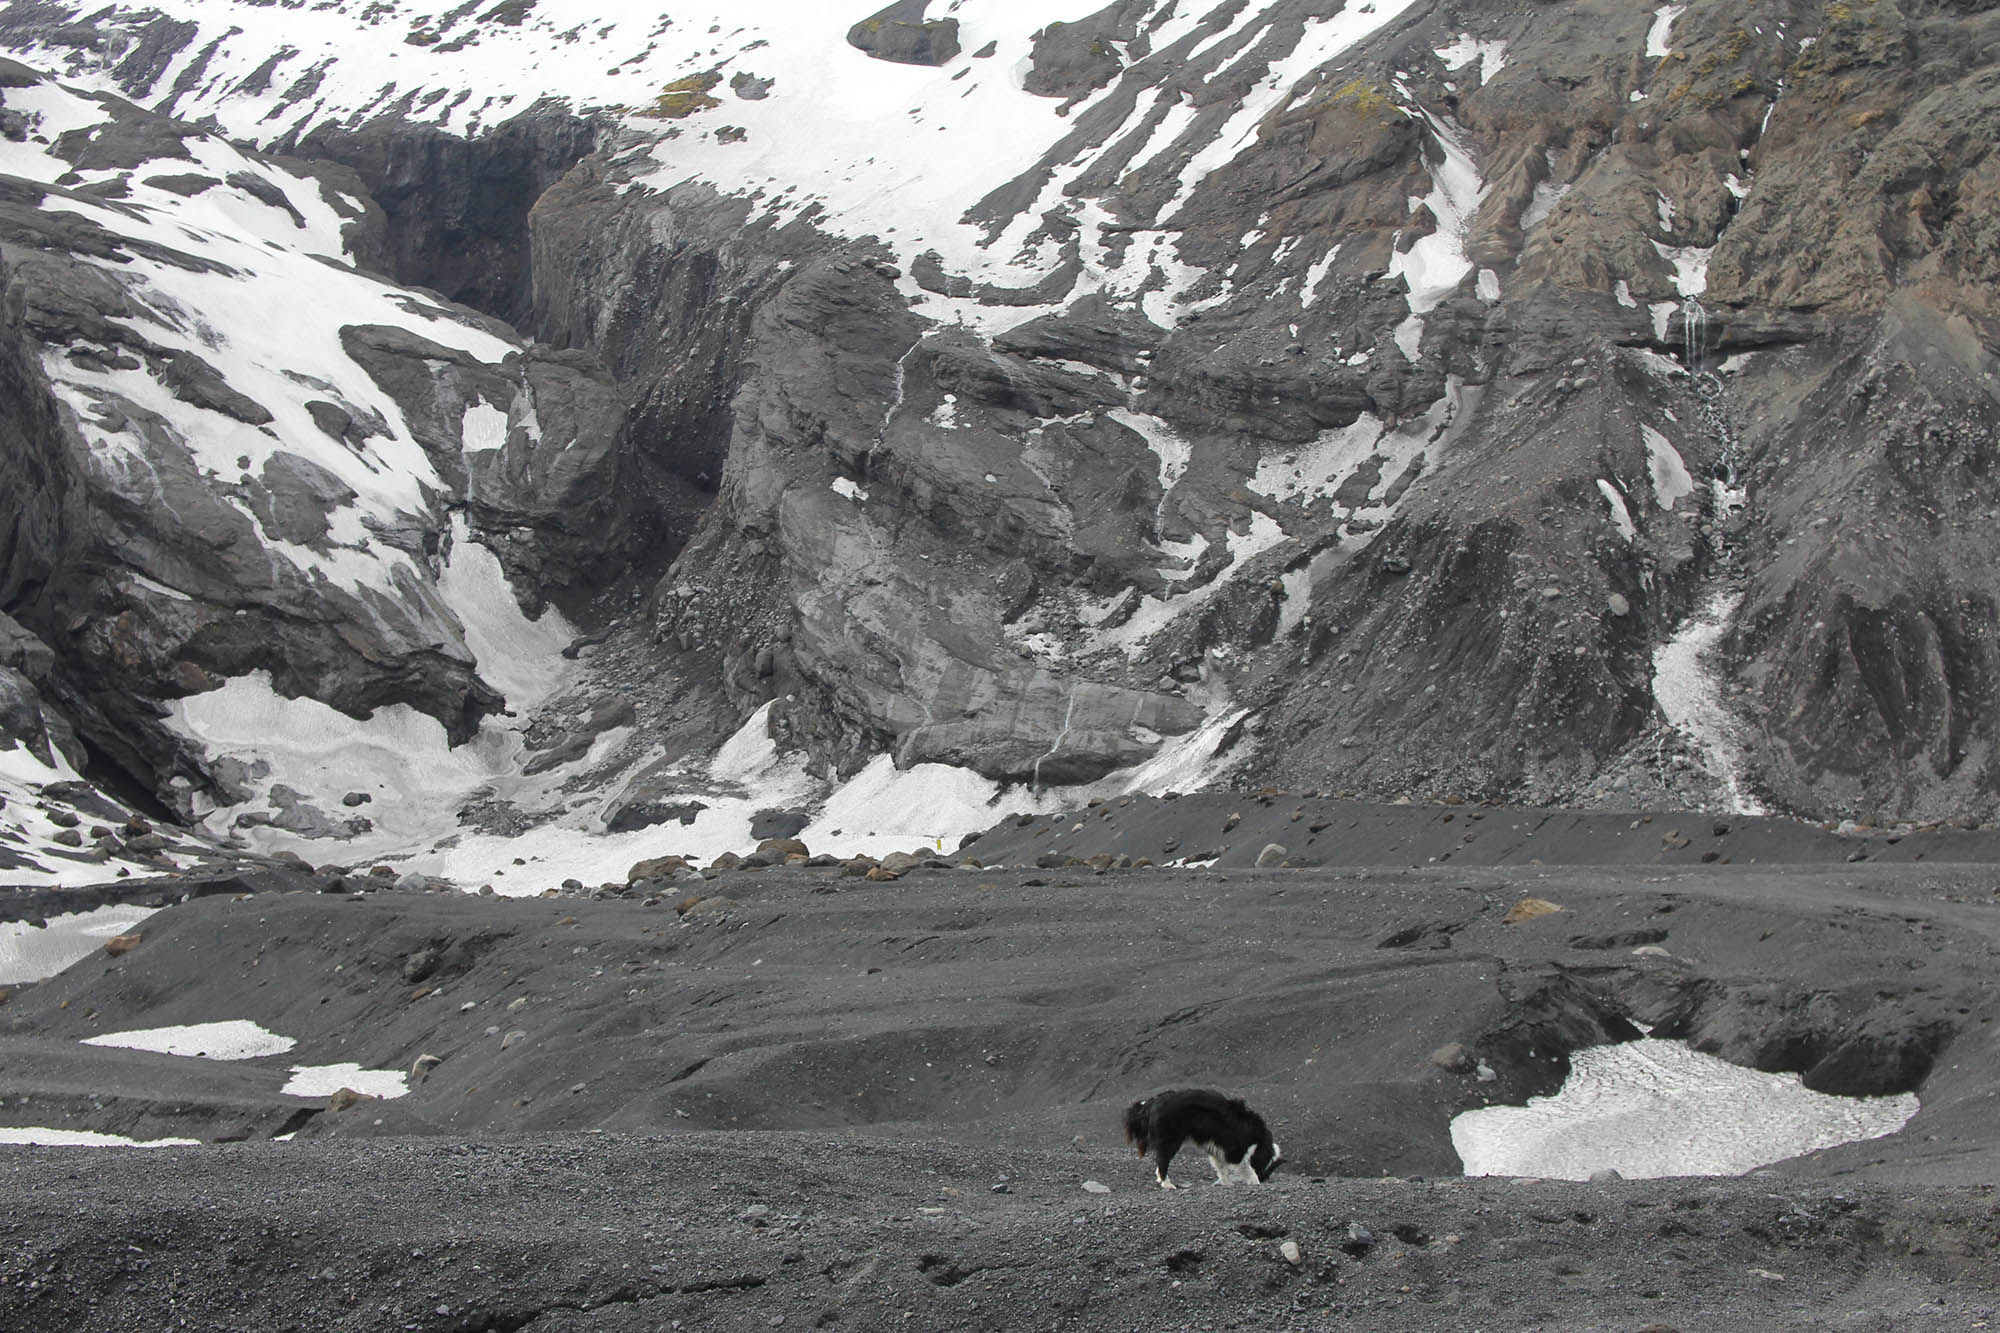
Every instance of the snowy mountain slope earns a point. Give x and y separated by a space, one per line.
1383 394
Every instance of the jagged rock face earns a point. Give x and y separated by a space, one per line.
1580 403
186 506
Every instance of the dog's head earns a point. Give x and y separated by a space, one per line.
1138 1126
1265 1157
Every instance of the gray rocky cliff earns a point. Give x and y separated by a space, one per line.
1561 403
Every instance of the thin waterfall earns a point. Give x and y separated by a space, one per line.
1069 711
1694 334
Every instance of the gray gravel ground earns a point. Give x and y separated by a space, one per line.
810 1100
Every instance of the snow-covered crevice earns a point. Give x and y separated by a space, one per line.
1692 698
1653 1108
1621 514
1435 264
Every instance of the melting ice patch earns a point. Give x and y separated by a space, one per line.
234 1039
32 953
1656 1108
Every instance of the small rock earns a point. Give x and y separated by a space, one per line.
411 881
1095 1187
1617 605
1485 1072
421 1067
516 1035
120 945
70 837
1234 819
343 1098
659 867
1453 1056
1650 951
882 875
1273 854
1291 1252
421 964
64 818
354 799
1605 1175
1527 910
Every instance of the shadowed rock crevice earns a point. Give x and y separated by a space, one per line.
454 210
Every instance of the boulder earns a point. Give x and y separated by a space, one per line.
901 33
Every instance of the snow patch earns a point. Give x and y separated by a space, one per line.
1492 56
30 953
1672 481
84 1138
1690 266
1620 515
234 1039
1653 1108
325 1080
1658 46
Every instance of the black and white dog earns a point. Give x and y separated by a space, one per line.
1235 1138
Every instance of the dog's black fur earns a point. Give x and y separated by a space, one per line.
1230 1133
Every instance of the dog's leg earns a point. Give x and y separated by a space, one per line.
1164 1158
1224 1173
